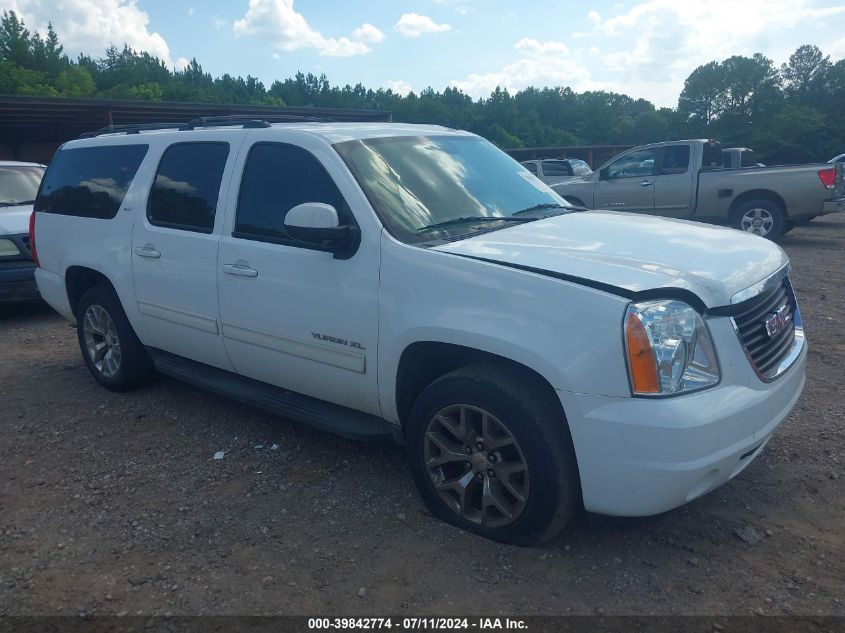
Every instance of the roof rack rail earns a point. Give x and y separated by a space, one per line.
244 120
132 129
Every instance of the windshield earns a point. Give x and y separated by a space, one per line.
19 185
426 188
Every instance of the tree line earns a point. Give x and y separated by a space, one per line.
789 114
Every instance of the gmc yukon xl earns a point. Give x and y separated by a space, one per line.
414 282
686 179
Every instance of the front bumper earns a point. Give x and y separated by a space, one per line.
17 281
639 456
834 205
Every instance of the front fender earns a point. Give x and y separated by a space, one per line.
568 333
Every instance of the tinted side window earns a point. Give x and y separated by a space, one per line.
632 165
184 194
675 159
276 178
532 167
556 168
89 182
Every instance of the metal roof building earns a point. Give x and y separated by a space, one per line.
31 128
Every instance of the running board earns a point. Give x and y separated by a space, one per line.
319 414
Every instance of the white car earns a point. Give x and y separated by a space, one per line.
18 186
414 282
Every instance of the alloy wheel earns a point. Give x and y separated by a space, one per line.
476 465
101 340
758 221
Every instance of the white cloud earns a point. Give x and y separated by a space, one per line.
414 25
89 26
538 64
277 21
652 47
399 86
647 50
190 11
368 33
219 23
836 48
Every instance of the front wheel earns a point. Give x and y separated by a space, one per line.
760 217
491 453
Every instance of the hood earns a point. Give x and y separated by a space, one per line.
15 220
633 252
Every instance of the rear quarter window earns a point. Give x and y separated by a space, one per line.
89 182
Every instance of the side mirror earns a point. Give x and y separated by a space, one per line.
317 223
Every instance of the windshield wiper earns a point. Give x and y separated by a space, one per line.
540 207
472 218
16 203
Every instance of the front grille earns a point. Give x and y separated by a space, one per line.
766 327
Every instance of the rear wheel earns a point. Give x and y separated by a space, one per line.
490 452
112 351
760 217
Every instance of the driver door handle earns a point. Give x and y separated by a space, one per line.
241 269
147 251
646 183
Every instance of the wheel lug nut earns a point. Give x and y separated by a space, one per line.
491 473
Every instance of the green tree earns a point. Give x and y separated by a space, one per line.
76 81
15 46
22 81
703 96
805 74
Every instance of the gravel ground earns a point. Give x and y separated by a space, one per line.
112 504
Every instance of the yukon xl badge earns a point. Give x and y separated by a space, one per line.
777 321
337 340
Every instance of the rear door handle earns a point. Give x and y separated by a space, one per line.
240 268
147 251
646 183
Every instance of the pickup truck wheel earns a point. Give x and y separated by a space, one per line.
491 453
761 217
112 351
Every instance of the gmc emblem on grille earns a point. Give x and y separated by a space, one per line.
777 321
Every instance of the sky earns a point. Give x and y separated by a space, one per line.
641 48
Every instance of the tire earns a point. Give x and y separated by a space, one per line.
539 465
788 226
101 324
761 217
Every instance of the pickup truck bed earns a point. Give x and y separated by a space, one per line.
684 179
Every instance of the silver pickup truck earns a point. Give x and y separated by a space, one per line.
686 179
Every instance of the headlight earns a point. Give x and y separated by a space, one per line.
669 349
7 248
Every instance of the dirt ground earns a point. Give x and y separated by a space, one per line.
112 504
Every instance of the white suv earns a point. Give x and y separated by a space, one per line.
414 282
